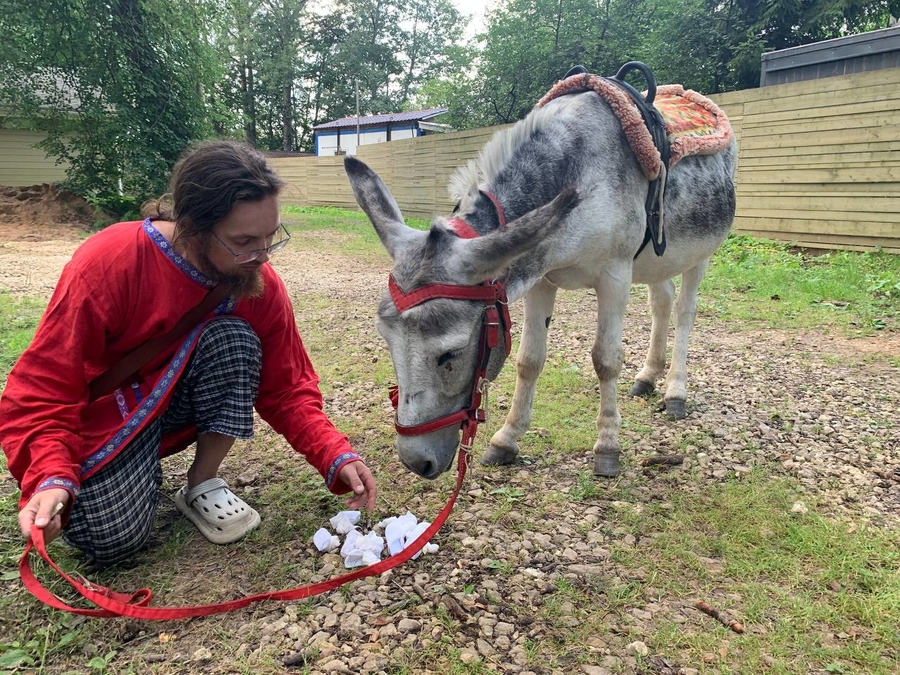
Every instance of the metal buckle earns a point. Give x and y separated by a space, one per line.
86 583
483 389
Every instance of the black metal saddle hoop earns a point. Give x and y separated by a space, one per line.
645 71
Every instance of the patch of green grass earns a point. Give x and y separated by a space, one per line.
798 582
441 657
761 283
359 236
19 317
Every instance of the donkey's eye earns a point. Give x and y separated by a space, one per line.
445 357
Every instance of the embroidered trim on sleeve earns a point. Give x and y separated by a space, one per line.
336 465
55 482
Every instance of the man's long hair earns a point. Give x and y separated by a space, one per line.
207 181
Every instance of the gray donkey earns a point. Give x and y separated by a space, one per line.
556 238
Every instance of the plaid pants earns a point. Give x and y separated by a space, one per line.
115 509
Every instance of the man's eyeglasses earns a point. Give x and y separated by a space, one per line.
250 256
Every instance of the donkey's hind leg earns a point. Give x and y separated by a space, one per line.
685 313
530 359
662 296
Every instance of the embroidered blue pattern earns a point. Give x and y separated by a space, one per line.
139 416
179 261
122 403
227 305
64 483
336 465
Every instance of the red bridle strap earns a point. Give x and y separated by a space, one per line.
488 292
501 217
496 318
462 228
465 231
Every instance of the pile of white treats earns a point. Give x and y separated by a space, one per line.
366 549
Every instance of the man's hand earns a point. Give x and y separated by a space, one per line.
359 478
43 512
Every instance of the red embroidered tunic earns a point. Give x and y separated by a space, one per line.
122 287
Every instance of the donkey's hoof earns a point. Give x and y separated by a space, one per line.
675 409
641 388
606 464
497 456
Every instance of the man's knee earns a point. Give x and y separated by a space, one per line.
230 329
232 338
107 545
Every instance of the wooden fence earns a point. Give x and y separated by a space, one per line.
818 164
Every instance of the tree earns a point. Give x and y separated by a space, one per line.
279 36
391 47
118 86
707 45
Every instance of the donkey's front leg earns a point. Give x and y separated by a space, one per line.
685 313
530 359
612 300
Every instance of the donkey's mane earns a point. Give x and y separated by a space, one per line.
494 156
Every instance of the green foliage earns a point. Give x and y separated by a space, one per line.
704 45
118 207
290 69
53 639
116 88
390 47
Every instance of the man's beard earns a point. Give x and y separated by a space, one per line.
248 283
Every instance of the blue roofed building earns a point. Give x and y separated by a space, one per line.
340 136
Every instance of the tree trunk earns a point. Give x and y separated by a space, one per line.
249 104
287 115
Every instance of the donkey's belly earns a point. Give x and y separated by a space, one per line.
699 210
682 253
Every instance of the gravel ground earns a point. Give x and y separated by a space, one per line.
813 405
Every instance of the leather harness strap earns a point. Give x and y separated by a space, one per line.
656 125
495 318
464 230
654 233
132 362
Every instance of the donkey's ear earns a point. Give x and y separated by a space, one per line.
376 200
486 257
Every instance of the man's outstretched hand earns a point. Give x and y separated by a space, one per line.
359 478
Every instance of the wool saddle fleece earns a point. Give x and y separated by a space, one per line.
694 124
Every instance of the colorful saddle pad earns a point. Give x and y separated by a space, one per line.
694 124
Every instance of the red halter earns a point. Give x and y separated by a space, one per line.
495 318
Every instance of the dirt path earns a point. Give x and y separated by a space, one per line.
811 405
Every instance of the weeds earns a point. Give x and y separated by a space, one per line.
780 287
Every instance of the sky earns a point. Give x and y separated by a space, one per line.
475 9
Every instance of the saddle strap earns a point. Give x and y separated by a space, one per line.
140 357
656 125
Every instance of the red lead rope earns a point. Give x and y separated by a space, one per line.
496 318
111 603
